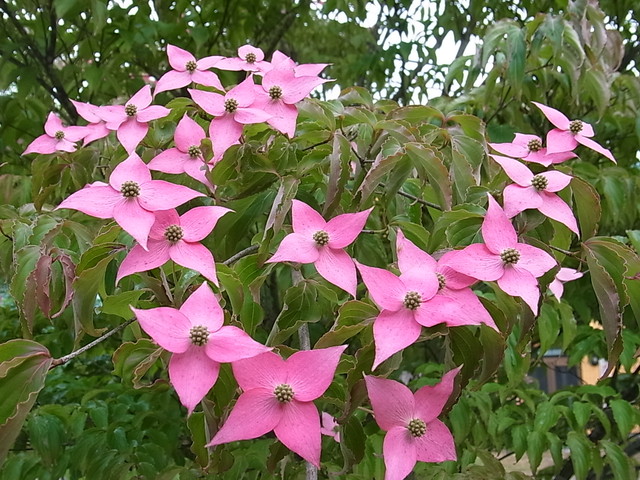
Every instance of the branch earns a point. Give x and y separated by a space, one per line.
72 355
240 254
416 199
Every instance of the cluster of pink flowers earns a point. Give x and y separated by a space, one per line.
278 394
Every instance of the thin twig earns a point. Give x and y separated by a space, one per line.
72 355
416 199
567 252
240 254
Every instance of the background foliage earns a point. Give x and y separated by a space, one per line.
579 57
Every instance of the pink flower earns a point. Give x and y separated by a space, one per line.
97 127
250 59
186 157
130 198
281 89
232 111
278 395
529 148
329 427
177 238
186 69
130 120
454 304
414 432
198 341
536 191
57 137
563 276
322 243
515 266
568 133
280 60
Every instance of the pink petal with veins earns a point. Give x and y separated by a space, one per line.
557 118
560 141
192 374
337 267
436 445
516 171
393 332
161 195
198 222
518 199
196 257
202 308
399 452
310 372
97 201
299 430
497 231
518 282
230 344
431 399
387 290
554 207
178 58
410 256
393 403
478 262
140 260
596 147
305 220
166 326
296 248
264 371
344 229
130 134
134 220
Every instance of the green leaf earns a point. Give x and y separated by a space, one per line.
197 428
430 166
625 416
353 316
517 50
546 417
299 307
536 445
339 171
582 413
620 463
580 449
23 369
587 204
131 361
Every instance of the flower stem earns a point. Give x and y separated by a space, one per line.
72 355
240 254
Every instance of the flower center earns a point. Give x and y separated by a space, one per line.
575 126
284 393
412 300
130 110
59 135
275 92
539 182
442 281
130 189
510 256
194 151
417 427
173 233
534 145
321 238
191 66
230 105
250 57
199 335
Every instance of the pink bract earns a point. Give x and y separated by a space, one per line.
414 432
186 70
529 148
130 120
536 191
186 156
177 238
322 243
199 342
232 111
97 128
515 266
250 59
569 133
130 198
563 276
278 395
57 137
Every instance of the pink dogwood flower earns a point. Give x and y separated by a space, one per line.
536 191
177 238
515 266
130 120
57 137
232 111
186 69
278 395
97 128
569 133
530 149
454 304
414 432
322 243
279 59
563 276
130 198
329 426
186 156
250 59
281 89
199 342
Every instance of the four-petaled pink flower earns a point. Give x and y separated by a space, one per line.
177 238
414 432
329 426
130 198
454 304
278 395
322 243
186 69
569 133
515 266
536 191
198 341
130 120
563 276
530 149
57 137
250 59
281 89
186 157
232 111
